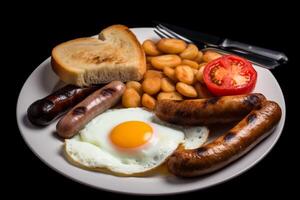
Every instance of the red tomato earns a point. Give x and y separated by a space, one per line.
229 75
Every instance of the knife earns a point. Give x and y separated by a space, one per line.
275 58
256 59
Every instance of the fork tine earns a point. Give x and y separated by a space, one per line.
175 35
159 33
166 33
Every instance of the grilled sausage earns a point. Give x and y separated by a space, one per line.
44 111
208 111
256 126
93 105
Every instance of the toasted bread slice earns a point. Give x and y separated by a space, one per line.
115 55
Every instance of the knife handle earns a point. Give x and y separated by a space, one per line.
257 59
254 58
275 55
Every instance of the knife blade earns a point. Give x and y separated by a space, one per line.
208 40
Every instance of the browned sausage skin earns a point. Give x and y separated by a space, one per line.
208 111
90 107
44 111
256 126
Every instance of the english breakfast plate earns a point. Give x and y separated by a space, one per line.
49 148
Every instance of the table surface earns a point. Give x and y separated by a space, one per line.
268 176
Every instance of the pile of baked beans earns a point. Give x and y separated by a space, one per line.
174 71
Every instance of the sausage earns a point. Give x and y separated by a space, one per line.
216 110
90 107
44 111
252 129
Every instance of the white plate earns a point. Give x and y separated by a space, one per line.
44 143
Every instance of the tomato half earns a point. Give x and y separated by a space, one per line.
229 75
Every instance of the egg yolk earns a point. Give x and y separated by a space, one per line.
131 134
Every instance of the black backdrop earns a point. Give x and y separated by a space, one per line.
36 31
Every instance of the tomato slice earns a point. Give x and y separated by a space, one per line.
229 75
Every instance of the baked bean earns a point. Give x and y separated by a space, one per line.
131 98
184 74
202 90
151 85
210 55
153 73
195 71
169 95
150 48
199 75
191 63
135 85
148 101
190 52
202 64
170 73
159 62
199 57
186 90
172 46
167 85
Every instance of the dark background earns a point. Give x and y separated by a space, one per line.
36 31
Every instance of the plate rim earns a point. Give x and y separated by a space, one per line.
48 164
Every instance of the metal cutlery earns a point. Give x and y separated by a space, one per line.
263 57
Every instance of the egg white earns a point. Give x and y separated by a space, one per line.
92 147
194 136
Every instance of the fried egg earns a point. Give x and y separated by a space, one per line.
130 141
